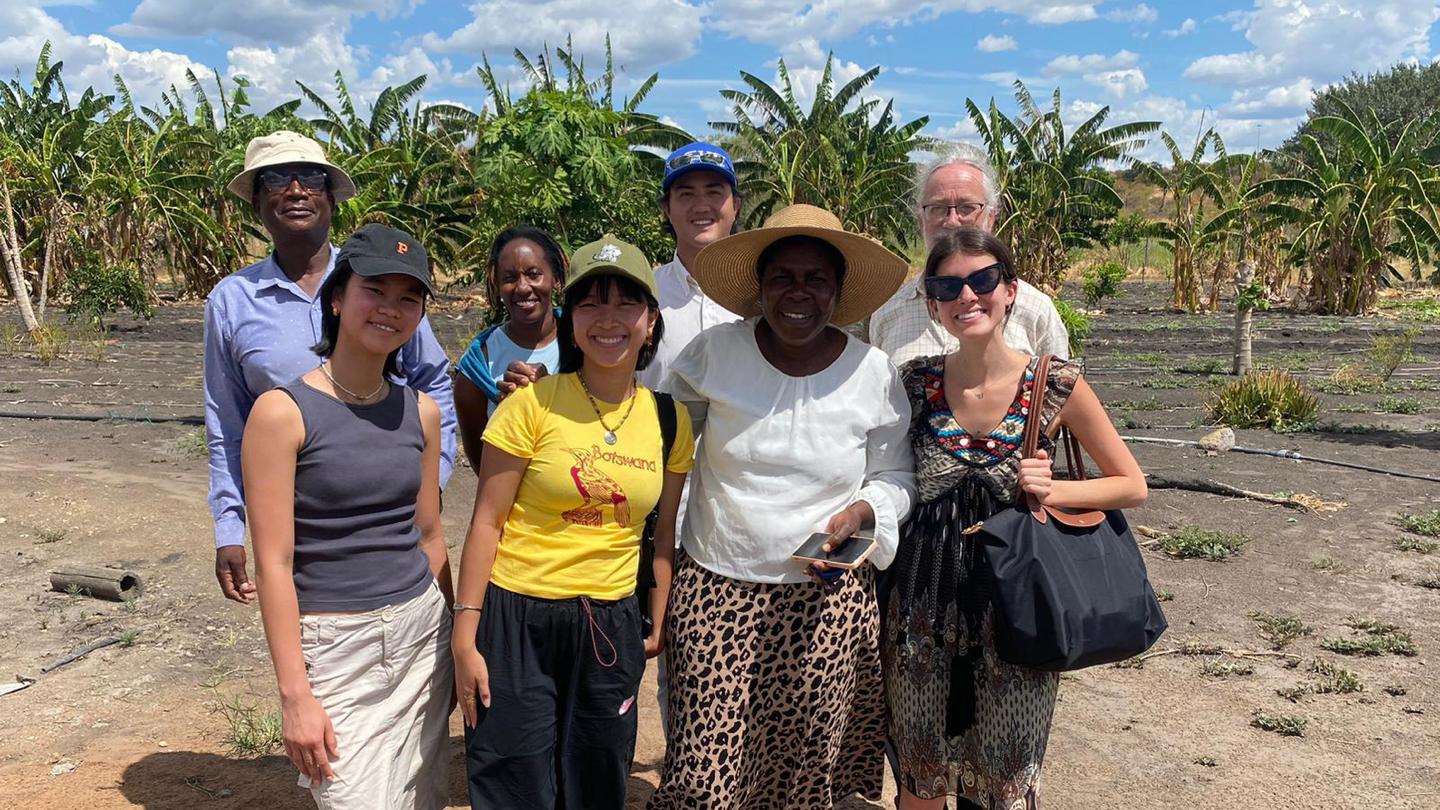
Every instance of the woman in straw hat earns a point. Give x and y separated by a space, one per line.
963 722
775 692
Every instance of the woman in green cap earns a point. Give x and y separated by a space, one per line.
548 637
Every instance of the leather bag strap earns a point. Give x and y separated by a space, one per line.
1030 444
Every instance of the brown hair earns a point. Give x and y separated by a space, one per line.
970 241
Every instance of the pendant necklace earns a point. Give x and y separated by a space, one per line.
361 398
610 437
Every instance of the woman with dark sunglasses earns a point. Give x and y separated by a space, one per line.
963 722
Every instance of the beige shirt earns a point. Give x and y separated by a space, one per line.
903 329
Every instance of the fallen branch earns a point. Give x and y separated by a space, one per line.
1308 503
80 652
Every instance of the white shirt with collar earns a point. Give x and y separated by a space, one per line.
687 311
902 327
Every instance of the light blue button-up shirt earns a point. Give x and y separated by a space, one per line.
259 327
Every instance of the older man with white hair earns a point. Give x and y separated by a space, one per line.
958 187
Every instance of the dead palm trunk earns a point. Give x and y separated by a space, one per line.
14 267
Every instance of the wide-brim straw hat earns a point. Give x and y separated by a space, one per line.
282 147
726 269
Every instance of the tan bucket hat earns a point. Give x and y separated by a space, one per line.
725 269
281 147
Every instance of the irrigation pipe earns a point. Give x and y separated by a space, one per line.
1288 454
81 417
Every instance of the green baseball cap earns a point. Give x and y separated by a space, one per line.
608 255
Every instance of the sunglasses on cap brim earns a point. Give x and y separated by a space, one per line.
692 158
980 282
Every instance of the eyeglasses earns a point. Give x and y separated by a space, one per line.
311 178
691 158
939 212
981 282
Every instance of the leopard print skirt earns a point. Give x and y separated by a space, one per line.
775 693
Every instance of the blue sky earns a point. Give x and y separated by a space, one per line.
1245 66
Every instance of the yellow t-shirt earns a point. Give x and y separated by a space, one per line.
575 527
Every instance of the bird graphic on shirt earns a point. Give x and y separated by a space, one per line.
597 490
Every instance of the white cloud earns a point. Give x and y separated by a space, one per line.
279 22
643 33
783 21
1093 63
1139 14
805 62
1275 102
1119 83
1187 27
1296 39
993 44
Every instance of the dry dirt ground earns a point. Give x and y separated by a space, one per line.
144 725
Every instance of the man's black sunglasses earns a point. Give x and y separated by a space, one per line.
947 288
310 177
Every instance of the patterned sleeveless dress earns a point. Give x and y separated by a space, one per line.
962 721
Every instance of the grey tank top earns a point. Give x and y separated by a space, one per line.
357 477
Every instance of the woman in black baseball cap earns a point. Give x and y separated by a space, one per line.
342 488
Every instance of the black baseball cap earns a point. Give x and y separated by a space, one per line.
376 250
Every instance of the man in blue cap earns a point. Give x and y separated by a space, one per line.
701 202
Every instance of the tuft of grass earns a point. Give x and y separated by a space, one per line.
127 638
253 731
43 536
1269 399
50 341
1299 360
1426 524
1220 668
1387 353
1400 405
1284 725
1191 542
1211 366
1379 638
74 591
1163 595
1280 628
1208 762
1163 380
1426 310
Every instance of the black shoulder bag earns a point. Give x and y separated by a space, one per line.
645 576
1069 587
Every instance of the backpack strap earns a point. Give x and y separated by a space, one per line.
665 408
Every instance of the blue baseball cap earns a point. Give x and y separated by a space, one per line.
694 157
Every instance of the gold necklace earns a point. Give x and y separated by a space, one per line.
325 369
610 437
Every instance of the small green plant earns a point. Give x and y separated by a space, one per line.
1334 679
1300 360
1379 638
1387 353
1162 380
193 443
1163 595
1271 399
253 732
9 338
127 638
1077 325
1284 725
1400 405
1102 281
50 341
1191 542
1202 367
1418 545
1280 628
1426 310
43 536
1350 379
75 591
1426 524
1220 668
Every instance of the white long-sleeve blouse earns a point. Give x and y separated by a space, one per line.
783 454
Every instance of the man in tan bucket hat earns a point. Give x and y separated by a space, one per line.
261 322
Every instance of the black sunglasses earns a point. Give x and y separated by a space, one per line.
311 178
981 282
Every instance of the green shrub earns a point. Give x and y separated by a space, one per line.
1400 405
1103 281
1077 325
1387 353
1271 399
97 290
1424 523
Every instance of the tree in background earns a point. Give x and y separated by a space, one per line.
1396 95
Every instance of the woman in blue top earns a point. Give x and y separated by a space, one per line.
526 268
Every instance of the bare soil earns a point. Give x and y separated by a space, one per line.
141 725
